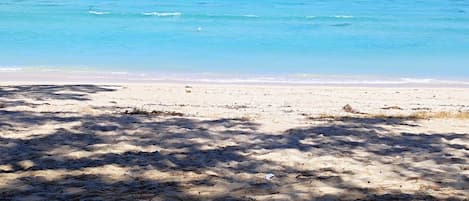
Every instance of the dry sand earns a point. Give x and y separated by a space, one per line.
102 142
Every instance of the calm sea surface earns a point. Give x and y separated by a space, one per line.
375 37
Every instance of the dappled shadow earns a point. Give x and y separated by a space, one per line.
26 119
15 95
97 188
116 156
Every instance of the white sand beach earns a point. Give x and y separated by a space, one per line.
166 141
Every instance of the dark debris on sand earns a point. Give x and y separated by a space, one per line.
136 111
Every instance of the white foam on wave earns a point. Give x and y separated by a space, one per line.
343 16
319 80
162 14
334 16
98 12
252 16
302 79
433 81
419 81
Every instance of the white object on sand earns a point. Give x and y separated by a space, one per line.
269 176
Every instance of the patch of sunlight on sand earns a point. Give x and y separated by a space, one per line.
171 175
13 179
6 168
122 147
109 173
26 164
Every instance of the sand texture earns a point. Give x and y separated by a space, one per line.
219 142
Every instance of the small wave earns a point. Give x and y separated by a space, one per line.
342 25
343 16
415 80
253 16
328 17
159 14
98 12
317 81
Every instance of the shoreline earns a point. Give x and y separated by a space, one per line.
15 76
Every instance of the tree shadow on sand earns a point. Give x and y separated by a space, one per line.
141 157
14 95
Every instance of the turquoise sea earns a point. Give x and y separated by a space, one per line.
409 38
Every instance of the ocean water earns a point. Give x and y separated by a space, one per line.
406 38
